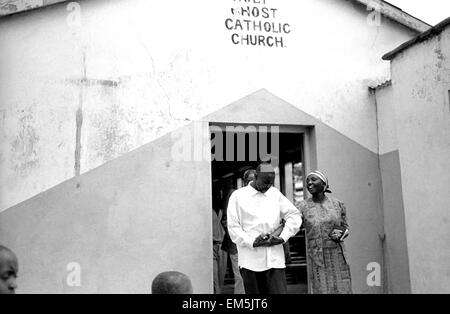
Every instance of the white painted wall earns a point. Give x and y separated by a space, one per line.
163 63
396 262
421 84
387 128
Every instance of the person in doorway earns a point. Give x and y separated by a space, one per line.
219 256
249 176
325 222
228 245
172 282
254 213
9 268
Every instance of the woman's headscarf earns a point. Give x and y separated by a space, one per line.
322 177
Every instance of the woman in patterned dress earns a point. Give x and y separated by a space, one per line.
325 222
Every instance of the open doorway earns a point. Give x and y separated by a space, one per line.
229 163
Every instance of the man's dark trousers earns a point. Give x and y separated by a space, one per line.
272 281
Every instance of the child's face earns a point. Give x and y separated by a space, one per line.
9 267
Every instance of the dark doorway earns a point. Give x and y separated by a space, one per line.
227 174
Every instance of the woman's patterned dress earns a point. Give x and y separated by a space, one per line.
329 272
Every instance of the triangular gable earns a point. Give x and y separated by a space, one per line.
261 107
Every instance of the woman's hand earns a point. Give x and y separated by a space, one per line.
336 235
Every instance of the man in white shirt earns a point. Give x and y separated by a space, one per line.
254 213
228 245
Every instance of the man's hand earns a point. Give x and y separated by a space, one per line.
266 240
274 240
261 240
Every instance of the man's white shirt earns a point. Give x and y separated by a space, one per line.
252 213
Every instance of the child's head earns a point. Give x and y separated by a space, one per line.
9 267
172 282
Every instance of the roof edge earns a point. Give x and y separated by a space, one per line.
392 12
10 7
434 31
380 86
396 14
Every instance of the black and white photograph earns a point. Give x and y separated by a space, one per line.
225 151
